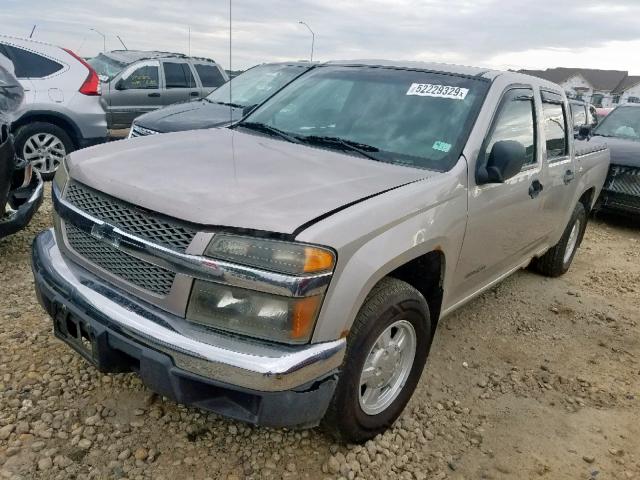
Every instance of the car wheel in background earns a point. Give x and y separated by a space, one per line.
44 145
558 259
387 348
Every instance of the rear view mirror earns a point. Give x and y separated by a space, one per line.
505 161
584 131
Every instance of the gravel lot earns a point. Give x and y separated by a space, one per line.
538 378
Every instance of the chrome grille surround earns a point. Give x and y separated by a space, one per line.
138 131
129 218
142 274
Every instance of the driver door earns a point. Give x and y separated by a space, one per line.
134 92
503 225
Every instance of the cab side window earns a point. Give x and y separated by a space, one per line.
515 121
555 125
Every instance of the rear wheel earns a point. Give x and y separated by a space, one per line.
44 145
386 351
558 259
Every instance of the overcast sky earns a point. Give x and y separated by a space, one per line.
492 33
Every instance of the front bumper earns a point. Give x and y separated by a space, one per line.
266 384
30 198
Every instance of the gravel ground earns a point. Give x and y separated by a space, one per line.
536 378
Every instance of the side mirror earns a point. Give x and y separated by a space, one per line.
584 131
505 161
119 85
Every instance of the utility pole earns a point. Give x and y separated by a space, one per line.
313 37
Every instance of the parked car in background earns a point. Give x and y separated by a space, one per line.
621 129
223 106
601 112
20 186
137 82
292 269
62 110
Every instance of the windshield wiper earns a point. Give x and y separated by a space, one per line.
361 148
227 104
269 130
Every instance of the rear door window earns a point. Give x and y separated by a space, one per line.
178 75
31 65
555 125
210 75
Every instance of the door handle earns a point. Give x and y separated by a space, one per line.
535 188
568 177
194 94
153 95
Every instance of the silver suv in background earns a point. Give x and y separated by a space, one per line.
137 82
62 110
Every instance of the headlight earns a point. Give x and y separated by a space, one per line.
252 313
62 175
274 255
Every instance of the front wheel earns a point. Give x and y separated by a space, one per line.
387 348
558 259
44 145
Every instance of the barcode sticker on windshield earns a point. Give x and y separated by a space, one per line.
440 91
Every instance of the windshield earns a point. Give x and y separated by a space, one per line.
407 117
256 85
106 67
623 122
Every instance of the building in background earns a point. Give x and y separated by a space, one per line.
602 88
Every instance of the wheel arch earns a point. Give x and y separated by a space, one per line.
56 118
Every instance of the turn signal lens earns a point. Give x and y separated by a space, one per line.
275 255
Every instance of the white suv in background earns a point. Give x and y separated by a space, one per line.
62 111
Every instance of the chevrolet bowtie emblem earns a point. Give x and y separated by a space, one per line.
106 233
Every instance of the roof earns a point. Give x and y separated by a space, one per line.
436 67
130 56
606 80
627 83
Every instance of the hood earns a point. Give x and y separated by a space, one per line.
222 177
623 151
189 116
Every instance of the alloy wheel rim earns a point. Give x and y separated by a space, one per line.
387 367
44 151
572 242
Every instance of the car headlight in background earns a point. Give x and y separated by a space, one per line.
254 313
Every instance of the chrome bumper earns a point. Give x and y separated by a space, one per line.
225 358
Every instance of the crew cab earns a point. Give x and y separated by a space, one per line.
291 270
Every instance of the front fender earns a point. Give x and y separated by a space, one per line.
375 237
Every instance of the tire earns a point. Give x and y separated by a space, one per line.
558 259
391 302
43 135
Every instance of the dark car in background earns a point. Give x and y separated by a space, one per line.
20 186
136 82
224 106
621 129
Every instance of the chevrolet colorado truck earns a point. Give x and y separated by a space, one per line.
291 270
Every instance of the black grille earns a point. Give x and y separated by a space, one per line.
142 274
129 218
623 180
